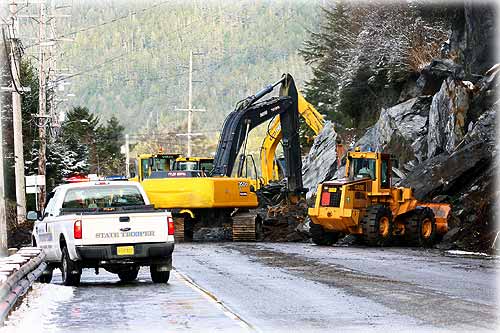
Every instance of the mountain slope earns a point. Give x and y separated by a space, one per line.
246 45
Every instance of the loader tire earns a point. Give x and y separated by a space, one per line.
421 228
320 236
377 226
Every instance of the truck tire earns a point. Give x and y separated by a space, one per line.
320 237
377 226
421 228
46 276
159 276
68 266
128 276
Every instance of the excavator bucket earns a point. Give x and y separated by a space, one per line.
441 213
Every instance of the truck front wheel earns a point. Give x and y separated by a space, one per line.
70 271
159 276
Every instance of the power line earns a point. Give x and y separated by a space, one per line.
114 20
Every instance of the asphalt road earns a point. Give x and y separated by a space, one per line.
277 287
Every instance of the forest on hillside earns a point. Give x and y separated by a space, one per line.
135 68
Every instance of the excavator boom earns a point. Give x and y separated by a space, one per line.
313 119
249 115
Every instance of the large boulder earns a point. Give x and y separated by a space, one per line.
403 128
321 162
447 117
445 172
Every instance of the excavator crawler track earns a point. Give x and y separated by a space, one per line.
244 227
179 229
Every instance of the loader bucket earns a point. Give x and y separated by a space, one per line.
441 213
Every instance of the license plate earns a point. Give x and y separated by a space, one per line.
125 250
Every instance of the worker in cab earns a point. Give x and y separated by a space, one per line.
365 171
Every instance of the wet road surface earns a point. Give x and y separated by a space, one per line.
265 287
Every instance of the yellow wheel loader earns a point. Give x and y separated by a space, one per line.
366 204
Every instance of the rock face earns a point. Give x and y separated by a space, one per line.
447 117
473 36
404 125
321 162
433 75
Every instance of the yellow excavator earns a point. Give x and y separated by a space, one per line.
268 162
366 204
220 201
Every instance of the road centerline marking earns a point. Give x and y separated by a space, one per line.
211 297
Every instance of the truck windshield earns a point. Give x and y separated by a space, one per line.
102 197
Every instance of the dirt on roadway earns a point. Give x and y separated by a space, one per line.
349 288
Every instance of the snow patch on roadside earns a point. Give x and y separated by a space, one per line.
467 253
38 309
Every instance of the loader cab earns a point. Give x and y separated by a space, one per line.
375 166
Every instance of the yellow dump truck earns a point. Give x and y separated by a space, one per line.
365 203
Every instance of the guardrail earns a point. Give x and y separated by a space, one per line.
17 274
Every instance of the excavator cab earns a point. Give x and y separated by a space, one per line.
154 165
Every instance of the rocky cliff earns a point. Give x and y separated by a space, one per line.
442 132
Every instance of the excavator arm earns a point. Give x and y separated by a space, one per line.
274 135
236 128
248 115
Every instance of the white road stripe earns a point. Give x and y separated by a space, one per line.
211 297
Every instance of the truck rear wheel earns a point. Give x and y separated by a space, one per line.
320 236
68 269
421 228
377 226
128 276
159 276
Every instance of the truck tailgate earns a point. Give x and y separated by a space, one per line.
124 228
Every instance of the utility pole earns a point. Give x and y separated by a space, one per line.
17 120
190 102
42 106
3 210
127 156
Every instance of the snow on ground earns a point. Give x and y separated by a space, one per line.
467 253
38 306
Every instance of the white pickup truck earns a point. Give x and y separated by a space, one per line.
103 224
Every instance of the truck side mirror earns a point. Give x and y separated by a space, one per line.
32 216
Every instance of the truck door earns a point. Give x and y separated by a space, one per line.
49 217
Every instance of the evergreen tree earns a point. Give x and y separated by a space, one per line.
79 133
109 142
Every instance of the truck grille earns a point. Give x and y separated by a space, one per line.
331 199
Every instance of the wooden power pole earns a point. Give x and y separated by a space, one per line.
17 120
42 107
3 210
